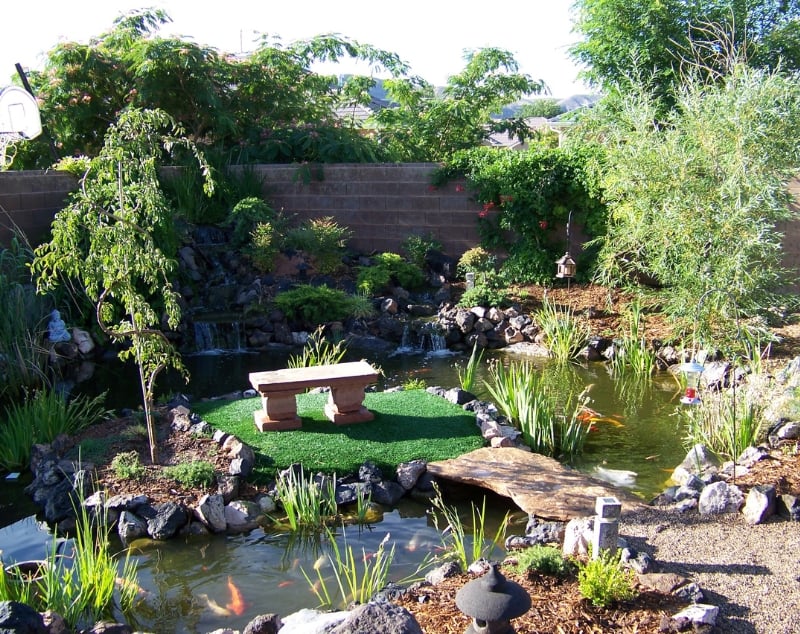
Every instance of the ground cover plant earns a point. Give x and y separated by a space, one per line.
408 425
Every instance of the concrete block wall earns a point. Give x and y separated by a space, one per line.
29 200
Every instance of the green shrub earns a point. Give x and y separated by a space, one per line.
483 295
389 268
264 246
476 260
197 473
604 581
314 305
245 216
545 560
322 238
417 248
128 466
414 384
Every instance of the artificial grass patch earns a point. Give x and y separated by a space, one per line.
408 425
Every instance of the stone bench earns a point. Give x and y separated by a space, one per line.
278 389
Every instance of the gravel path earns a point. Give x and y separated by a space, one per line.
752 573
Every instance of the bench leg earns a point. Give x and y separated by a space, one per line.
346 405
279 412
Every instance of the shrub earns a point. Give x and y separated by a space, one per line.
128 466
245 216
264 246
546 560
417 248
389 267
483 295
197 473
476 260
603 580
322 238
314 305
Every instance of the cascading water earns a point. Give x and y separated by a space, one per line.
214 337
204 336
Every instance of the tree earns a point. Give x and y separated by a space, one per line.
115 237
547 108
694 198
429 127
647 41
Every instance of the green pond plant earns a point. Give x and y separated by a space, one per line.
564 335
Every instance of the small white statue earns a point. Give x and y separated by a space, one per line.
57 329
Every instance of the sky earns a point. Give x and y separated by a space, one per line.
430 35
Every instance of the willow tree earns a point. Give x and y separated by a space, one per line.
115 238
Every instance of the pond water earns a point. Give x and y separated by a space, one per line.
185 582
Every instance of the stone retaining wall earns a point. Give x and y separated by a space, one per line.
381 203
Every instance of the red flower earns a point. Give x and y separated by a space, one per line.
483 214
459 188
506 199
543 224
488 206
432 188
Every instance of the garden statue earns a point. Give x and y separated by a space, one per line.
56 329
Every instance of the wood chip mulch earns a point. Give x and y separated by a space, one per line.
557 607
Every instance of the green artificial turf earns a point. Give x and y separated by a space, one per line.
408 425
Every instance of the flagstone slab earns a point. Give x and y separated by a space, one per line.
539 485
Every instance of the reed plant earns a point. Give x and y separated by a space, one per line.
89 584
318 350
467 375
40 418
306 503
633 355
549 421
357 578
465 545
564 334
726 422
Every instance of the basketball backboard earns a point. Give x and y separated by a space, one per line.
19 113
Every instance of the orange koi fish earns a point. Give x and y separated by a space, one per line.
237 604
285 584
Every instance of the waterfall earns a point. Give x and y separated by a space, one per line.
204 336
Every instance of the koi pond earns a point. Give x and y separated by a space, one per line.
198 584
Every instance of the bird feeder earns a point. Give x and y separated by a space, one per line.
565 266
492 601
691 372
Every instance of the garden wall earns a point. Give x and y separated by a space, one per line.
381 203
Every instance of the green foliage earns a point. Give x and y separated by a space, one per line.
246 216
40 418
527 196
468 374
549 421
127 465
485 295
425 126
93 584
23 358
265 244
604 581
476 260
75 165
313 305
417 247
652 42
726 422
696 199
414 383
115 238
544 560
323 239
306 503
318 351
466 544
197 473
546 107
358 579
389 268
633 355
564 335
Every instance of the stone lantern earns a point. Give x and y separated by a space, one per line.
492 601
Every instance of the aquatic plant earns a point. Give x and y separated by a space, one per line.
564 335
306 503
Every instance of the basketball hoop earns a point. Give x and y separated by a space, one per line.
19 119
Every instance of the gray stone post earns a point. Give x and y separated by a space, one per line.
606 525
